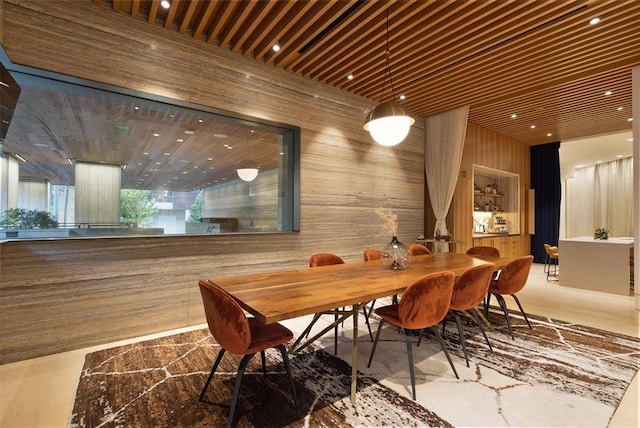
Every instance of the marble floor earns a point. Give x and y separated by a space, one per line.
40 392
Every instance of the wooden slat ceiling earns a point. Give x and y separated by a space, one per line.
541 60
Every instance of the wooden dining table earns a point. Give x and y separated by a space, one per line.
285 294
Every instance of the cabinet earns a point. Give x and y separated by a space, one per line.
496 201
509 246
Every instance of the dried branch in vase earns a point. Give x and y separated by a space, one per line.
390 222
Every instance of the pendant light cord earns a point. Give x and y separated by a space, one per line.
387 67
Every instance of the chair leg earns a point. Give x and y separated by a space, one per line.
373 302
213 370
503 306
366 320
408 338
475 315
264 363
487 301
522 311
236 388
287 367
444 348
462 337
375 342
546 265
335 335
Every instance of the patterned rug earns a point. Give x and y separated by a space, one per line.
558 374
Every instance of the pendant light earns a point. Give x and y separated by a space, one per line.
248 172
388 122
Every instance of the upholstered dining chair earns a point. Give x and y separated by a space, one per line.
513 277
240 335
483 251
469 290
371 255
553 256
424 304
327 259
418 249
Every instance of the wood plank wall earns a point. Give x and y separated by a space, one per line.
66 294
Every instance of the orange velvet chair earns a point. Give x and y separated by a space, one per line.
552 258
327 259
371 255
423 305
240 335
469 291
417 249
484 251
512 278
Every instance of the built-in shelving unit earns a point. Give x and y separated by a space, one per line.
496 202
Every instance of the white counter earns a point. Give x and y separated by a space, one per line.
595 264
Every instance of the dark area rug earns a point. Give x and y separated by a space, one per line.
156 383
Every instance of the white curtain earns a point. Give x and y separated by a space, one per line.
444 141
601 196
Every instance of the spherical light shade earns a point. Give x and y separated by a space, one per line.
388 123
247 174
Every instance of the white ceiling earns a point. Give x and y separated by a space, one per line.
589 151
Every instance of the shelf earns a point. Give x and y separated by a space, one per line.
489 195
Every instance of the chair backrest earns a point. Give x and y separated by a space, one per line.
417 249
370 255
513 275
471 287
552 251
426 301
484 251
325 259
226 319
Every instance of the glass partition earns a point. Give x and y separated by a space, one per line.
86 159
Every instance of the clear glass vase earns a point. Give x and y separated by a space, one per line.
395 255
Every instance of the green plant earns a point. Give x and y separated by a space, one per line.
20 218
195 211
601 233
136 206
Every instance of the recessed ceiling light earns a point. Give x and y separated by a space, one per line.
533 126
630 119
158 163
276 47
136 108
598 161
620 108
145 153
165 4
619 156
594 21
220 135
608 92
549 134
350 77
172 115
188 131
180 140
155 134
200 120
210 159
513 116
629 139
229 147
403 97
167 154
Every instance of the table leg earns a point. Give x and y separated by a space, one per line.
354 354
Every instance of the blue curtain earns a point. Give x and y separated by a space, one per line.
545 179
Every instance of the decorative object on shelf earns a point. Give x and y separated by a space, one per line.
394 255
601 233
388 122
